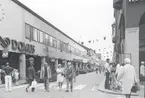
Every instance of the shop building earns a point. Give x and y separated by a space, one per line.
129 31
24 34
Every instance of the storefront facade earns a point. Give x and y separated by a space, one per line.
27 34
129 31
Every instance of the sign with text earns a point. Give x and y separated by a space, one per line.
16 45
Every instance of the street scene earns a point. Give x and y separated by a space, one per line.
72 49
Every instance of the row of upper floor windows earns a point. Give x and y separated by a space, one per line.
34 34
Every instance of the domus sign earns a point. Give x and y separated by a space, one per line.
17 45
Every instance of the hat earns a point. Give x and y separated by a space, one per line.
127 60
142 62
31 59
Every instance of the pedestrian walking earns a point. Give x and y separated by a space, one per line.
8 78
0 75
3 75
107 73
16 76
60 76
142 72
69 77
128 76
45 75
31 74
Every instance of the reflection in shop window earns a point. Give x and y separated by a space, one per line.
41 37
35 34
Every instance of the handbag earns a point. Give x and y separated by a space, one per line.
134 89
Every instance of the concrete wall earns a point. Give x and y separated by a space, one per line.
132 46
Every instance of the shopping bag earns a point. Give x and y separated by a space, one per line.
33 85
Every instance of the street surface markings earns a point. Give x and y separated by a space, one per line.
94 88
79 87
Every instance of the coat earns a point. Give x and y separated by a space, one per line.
31 73
69 73
128 77
42 73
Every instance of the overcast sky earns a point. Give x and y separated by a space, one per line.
83 20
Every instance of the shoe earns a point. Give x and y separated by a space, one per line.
26 89
46 90
33 89
66 90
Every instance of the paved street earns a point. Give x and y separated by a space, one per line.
85 87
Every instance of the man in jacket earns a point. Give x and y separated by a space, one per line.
8 78
45 74
31 73
69 73
107 73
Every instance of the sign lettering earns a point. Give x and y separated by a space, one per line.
21 46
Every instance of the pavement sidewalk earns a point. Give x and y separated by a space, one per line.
102 89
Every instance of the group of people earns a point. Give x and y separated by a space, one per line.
9 75
120 76
67 74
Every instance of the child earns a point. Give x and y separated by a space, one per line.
16 74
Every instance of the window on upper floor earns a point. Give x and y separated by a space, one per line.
54 42
69 48
47 39
35 34
41 37
28 31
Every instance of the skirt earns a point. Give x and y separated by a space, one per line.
60 78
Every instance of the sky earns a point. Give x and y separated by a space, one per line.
82 20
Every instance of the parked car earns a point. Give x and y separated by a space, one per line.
82 71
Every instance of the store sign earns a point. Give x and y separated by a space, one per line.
21 46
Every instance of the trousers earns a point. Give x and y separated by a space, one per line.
46 84
8 82
69 81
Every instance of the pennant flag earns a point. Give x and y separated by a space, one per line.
89 41
104 38
82 42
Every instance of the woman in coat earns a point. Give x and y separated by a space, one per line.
128 77
60 76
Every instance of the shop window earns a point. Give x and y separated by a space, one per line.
28 30
35 34
41 37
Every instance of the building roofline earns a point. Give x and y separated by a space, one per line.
44 20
